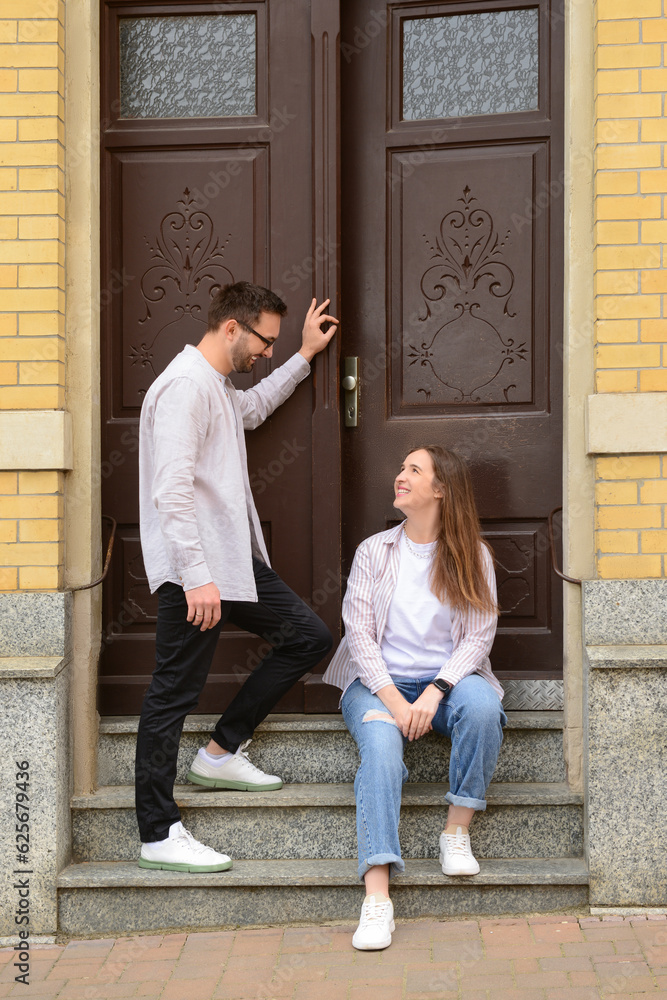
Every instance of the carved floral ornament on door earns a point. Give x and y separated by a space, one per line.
472 287
186 259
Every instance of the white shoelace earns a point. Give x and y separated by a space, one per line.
458 843
374 912
244 759
195 845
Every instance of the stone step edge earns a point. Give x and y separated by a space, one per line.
277 723
335 794
324 873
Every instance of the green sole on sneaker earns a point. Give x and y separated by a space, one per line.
174 867
239 786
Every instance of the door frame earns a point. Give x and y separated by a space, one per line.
83 551
327 499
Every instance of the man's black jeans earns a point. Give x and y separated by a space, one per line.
183 659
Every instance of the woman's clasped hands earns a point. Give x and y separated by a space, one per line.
414 720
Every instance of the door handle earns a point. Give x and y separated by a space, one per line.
350 385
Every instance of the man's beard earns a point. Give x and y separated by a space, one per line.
241 360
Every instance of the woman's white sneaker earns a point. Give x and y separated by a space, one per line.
456 856
376 924
180 852
234 771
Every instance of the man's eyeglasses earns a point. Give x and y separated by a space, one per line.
269 343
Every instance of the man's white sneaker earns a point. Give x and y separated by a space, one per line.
375 925
234 771
180 852
456 857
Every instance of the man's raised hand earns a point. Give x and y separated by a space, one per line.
313 338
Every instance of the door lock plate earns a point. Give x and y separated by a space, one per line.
350 385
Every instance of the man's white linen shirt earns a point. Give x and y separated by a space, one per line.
197 514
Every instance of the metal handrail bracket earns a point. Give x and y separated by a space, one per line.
552 547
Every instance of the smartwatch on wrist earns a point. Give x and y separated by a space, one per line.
442 685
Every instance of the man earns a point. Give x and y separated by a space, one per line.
205 556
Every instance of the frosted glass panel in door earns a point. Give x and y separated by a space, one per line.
200 66
470 64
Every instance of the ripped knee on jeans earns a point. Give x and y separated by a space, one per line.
376 715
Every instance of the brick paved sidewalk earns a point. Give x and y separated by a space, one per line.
534 958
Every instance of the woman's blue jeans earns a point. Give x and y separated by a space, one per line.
471 715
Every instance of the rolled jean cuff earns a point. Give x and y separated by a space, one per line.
396 864
462 800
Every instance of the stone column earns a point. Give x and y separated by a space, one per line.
34 694
625 634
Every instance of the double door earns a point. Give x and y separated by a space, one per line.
394 158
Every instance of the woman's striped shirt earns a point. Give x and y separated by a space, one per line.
369 592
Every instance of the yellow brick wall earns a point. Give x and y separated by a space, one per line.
32 288
630 281
31 530
631 493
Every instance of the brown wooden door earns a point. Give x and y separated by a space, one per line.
452 277
207 177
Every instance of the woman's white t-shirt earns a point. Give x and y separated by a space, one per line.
417 639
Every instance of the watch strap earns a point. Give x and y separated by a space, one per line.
442 685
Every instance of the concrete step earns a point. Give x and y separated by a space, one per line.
539 819
318 748
120 898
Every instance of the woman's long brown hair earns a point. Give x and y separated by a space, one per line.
457 575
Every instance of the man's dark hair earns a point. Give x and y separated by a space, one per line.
243 301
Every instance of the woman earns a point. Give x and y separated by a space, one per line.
420 617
